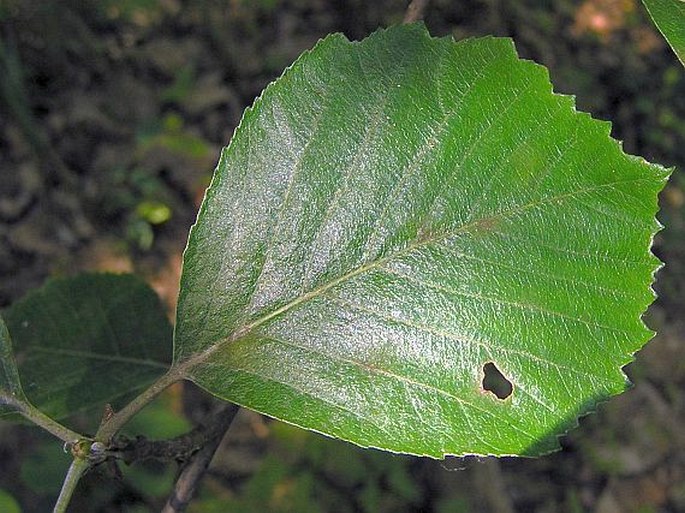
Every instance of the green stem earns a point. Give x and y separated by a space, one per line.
62 432
111 426
30 412
76 470
107 430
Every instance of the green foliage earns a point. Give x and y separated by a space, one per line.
139 193
669 17
305 472
393 215
172 136
43 469
7 503
410 244
90 340
158 420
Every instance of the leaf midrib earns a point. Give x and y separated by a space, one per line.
184 369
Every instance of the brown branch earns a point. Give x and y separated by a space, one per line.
194 470
415 11
181 448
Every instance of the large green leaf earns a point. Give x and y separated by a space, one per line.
86 341
394 215
669 17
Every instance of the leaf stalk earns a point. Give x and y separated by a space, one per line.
111 425
30 412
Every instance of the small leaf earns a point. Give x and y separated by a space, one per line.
87 341
669 17
395 214
10 384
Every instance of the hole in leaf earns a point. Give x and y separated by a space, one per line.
495 382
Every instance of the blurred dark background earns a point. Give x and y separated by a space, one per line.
112 115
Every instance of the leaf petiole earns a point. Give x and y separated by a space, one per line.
30 412
116 421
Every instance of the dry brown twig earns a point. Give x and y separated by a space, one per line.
195 469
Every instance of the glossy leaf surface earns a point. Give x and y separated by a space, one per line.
669 17
90 340
394 215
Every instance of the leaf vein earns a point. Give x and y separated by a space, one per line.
370 133
95 356
495 263
404 379
453 336
533 308
428 145
300 390
269 245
